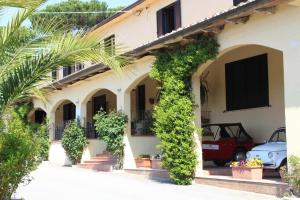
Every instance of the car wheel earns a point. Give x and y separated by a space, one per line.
220 163
239 155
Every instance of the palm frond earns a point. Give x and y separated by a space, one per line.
21 3
26 60
10 33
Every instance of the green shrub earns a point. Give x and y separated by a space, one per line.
74 141
292 175
19 150
41 132
110 128
173 116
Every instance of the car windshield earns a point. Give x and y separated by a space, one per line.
278 136
217 132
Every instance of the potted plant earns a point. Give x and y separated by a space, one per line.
156 162
250 169
143 161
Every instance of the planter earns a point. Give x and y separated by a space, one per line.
156 164
252 173
143 162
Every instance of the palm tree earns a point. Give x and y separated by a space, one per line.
29 55
27 58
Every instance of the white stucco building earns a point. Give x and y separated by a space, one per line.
265 29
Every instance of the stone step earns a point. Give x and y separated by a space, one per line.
104 162
97 167
104 154
102 159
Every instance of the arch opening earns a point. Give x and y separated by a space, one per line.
245 84
64 112
38 116
102 99
143 97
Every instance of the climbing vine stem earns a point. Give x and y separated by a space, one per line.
173 115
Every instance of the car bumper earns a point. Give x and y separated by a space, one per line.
269 166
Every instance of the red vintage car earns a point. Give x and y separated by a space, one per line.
222 143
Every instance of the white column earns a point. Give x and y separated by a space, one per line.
197 121
292 98
78 109
123 104
51 118
83 113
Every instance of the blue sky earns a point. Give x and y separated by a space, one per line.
112 3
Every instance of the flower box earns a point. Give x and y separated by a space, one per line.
252 173
156 163
143 162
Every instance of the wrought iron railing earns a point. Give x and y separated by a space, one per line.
90 131
58 131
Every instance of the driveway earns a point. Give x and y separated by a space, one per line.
56 183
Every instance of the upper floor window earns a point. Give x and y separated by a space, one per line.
109 45
54 75
247 84
169 18
237 2
67 70
79 66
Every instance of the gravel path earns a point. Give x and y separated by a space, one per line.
63 183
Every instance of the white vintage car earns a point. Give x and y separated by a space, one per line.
273 152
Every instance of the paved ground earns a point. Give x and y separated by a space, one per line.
63 183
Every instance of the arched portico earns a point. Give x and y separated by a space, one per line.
37 115
62 112
100 99
252 94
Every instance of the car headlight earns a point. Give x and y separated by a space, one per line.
270 155
248 155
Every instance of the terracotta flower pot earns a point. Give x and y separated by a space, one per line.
252 173
156 164
143 162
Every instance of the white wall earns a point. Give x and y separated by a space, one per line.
137 30
279 31
58 156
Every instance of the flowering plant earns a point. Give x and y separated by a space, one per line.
253 162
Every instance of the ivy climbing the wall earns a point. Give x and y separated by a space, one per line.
174 113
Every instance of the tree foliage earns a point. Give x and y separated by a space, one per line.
110 127
19 155
77 21
174 113
27 58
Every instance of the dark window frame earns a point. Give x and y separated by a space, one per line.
247 83
54 75
69 112
141 101
99 102
68 70
162 18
